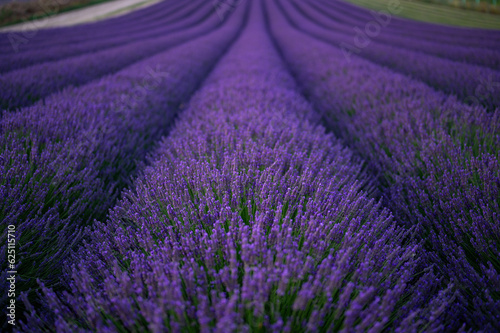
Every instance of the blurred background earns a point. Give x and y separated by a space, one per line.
467 13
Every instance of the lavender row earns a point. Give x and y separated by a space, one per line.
376 28
471 83
65 161
352 14
158 28
250 218
35 37
25 86
437 161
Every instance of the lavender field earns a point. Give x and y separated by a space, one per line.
250 166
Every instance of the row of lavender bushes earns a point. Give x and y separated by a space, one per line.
437 161
65 161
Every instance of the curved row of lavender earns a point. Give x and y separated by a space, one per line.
352 14
437 161
176 20
23 87
63 162
250 218
383 34
461 79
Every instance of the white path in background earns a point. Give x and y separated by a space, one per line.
84 15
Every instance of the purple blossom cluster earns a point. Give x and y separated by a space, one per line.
176 169
436 158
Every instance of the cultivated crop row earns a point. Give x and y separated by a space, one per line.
436 159
64 161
